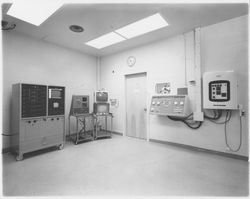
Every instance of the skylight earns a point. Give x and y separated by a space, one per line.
143 26
137 28
105 40
33 12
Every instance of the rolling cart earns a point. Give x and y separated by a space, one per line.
100 132
81 134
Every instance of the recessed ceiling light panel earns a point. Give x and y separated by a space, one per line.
143 26
105 40
33 12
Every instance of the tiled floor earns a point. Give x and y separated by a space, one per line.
124 166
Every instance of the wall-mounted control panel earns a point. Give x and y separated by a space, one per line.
170 105
220 90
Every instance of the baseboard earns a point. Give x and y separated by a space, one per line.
117 133
240 157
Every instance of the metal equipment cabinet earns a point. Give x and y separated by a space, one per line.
31 127
102 133
82 134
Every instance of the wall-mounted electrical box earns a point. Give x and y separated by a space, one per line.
220 90
170 105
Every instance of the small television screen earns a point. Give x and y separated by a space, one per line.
101 108
101 96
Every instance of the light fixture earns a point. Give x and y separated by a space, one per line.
142 26
137 28
76 28
105 40
33 12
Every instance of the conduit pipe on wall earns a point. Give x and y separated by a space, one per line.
98 73
198 114
185 58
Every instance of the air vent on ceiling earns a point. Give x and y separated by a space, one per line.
76 28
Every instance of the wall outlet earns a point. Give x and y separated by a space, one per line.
241 110
198 116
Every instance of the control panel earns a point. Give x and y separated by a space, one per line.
170 105
33 100
220 90
79 104
56 102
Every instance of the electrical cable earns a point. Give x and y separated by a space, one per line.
217 115
227 119
8 26
184 120
6 134
193 127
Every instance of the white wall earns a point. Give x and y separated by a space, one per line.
26 60
224 47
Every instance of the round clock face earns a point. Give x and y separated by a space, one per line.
131 61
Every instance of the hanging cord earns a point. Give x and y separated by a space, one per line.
227 119
217 115
192 125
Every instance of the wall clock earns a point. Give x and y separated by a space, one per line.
131 61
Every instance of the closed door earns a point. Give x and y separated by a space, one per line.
136 103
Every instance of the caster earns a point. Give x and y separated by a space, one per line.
76 143
60 147
19 157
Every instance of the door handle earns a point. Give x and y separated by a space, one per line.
145 109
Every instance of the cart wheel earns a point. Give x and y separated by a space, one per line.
19 157
60 147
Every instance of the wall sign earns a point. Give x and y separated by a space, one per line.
163 88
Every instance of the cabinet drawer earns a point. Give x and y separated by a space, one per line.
40 127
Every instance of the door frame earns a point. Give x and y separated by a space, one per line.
125 104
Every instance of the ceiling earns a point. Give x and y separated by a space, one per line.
98 19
